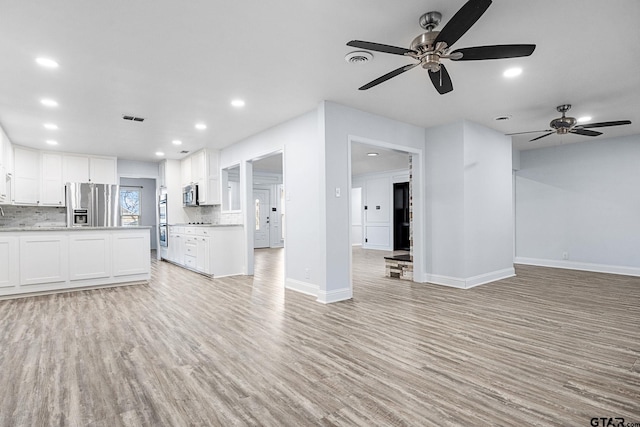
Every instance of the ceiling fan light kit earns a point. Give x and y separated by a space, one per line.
431 47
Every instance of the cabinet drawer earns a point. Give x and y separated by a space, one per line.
190 250
189 230
190 261
204 231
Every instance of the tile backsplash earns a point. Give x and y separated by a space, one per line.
212 215
30 216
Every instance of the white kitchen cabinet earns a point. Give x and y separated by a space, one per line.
43 259
130 253
52 187
162 173
185 171
202 168
203 256
103 170
215 250
27 176
89 256
75 168
8 264
98 170
4 168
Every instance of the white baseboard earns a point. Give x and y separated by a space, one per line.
302 287
582 266
470 282
335 296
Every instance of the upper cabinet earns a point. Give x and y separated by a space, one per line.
39 176
201 168
98 170
26 164
52 186
6 167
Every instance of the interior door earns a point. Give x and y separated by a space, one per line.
261 219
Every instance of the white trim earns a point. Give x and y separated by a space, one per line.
302 287
582 266
335 296
470 282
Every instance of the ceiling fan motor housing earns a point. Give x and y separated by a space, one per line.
563 124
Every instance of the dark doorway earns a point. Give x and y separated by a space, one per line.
401 216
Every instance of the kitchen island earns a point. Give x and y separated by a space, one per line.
41 260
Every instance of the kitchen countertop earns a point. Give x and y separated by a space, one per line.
44 228
205 225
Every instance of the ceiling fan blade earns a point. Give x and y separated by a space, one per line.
385 48
441 80
462 21
531 131
605 124
388 76
585 132
542 136
494 52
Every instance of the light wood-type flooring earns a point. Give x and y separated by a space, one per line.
548 347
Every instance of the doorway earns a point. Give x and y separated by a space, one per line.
262 207
401 219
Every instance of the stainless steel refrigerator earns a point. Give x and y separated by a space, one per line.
92 205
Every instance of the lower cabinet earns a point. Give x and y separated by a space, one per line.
89 257
214 251
43 259
8 263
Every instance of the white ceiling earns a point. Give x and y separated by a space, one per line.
178 63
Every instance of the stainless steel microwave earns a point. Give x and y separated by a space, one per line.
190 195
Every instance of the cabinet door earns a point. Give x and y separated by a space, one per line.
43 259
8 264
52 189
185 171
4 194
27 176
131 251
75 168
203 255
103 170
89 256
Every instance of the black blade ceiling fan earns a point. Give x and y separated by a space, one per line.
563 125
431 47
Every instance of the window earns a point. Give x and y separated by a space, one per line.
130 206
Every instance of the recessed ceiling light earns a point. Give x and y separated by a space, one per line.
176 142
51 126
512 72
159 153
46 62
584 119
372 154
201 126
51 142
238 103
48 102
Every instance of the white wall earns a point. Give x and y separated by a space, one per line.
469 227
582 199
341 125
300 142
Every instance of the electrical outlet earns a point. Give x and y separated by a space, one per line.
337 191
565 255
307 275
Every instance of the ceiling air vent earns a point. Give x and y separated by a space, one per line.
505 117
358 57
132 118
184 151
